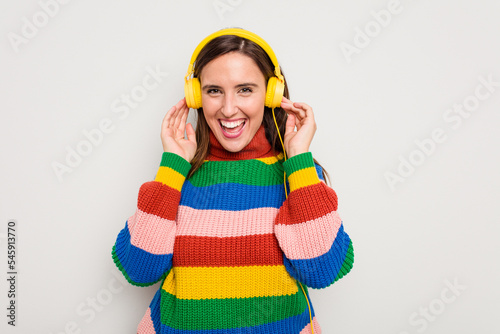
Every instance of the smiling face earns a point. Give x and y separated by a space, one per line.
233 91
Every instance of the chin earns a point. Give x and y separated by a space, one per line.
234 147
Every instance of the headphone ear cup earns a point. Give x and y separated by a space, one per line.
192 92
274 93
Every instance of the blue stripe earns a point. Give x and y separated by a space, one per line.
320 272
232 196
142 267
319 170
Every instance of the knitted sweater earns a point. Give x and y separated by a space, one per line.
229 248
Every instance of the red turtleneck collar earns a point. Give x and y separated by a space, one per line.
258 147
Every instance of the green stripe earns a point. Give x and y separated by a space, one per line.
298 162
248 172
347 264
119 265
204 314
175 162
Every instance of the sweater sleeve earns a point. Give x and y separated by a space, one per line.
144 247
317 250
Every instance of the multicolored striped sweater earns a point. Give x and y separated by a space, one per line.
229 247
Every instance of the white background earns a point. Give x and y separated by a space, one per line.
437 224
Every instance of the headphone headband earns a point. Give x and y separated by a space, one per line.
241 33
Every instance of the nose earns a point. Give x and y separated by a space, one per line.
229 106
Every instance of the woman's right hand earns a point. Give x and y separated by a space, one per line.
172 132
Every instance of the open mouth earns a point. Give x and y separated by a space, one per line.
232 129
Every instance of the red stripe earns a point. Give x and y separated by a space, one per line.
307 203
261 249
159 199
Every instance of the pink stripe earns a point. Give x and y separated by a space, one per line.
131 224
307 329
221 223
309 239
146 325
151 233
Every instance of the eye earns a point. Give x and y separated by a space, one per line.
246 90
213 91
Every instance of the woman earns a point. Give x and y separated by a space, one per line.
235 253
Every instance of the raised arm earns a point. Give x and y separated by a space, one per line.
144 247
308 228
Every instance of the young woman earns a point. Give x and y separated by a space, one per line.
234 251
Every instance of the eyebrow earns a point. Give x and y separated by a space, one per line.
246 84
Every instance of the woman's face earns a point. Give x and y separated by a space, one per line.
233 90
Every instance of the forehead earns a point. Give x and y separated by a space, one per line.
232 67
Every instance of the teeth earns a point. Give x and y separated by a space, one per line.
231 125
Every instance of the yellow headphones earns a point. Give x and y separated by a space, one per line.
274 92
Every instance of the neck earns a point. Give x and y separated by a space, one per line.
258 147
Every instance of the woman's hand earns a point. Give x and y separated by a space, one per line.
300 115
172 132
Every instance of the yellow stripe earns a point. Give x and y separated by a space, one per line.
271 160
170 177
303 178
229 282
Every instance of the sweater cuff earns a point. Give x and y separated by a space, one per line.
173 170
301 171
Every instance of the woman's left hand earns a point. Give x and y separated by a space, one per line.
300 115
